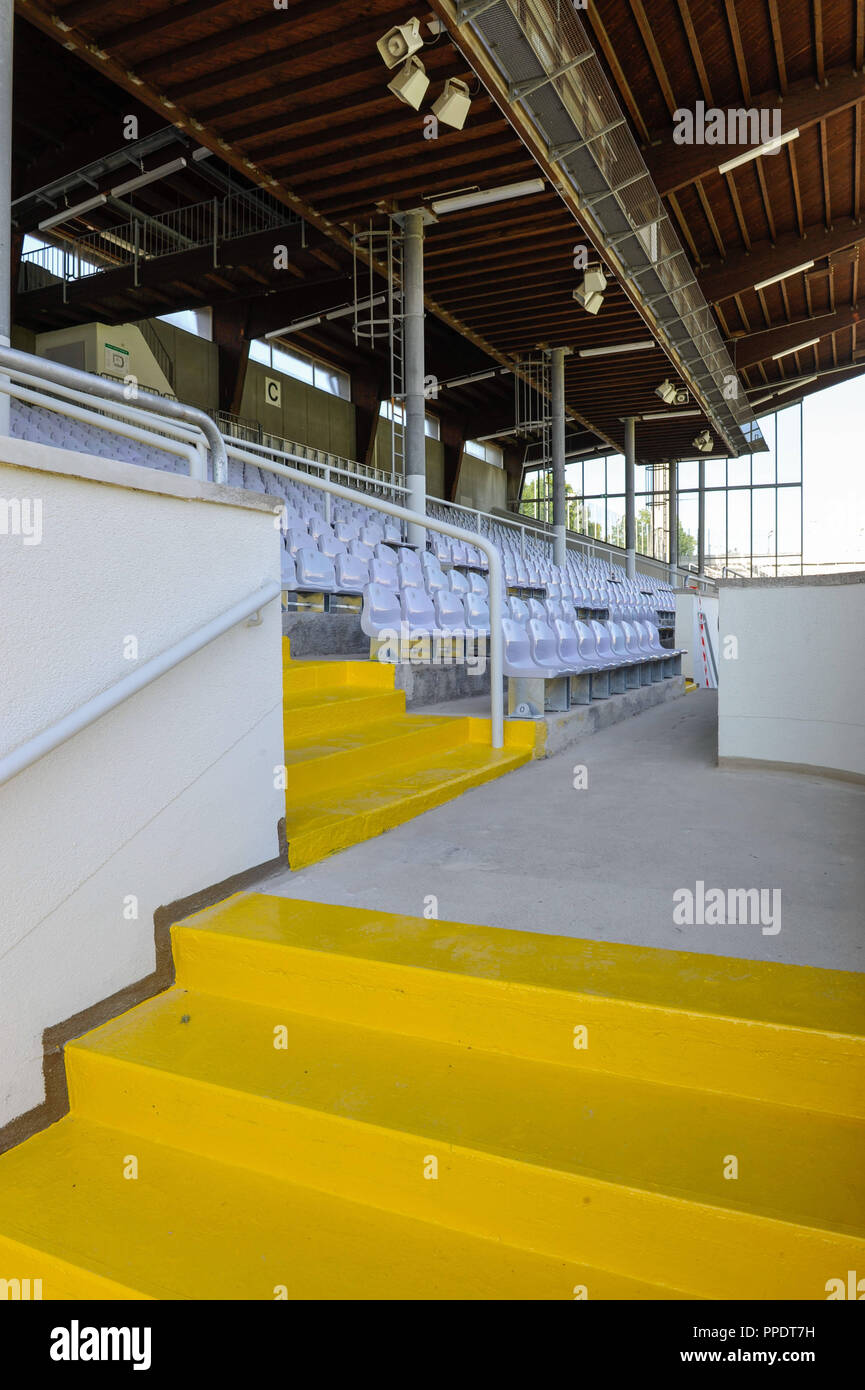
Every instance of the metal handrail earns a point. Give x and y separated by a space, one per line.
429 523
19 363
14 361
26 754
118 424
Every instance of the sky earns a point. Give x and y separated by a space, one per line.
834 474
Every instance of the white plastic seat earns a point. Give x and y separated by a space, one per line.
409 577
457 582
536 609
543 646
479 585
410 560
352 574
295 540
517 654
361 550
288 576
315 572
382 573
346 531
449 611
518 609
372 534
386 553
477 613
381 610
417 610
330 546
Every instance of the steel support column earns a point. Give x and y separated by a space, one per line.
415 400
557 383
7 20
630 501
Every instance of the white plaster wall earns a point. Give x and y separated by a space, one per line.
794 692
686 634
171 792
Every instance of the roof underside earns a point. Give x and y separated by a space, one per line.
295 101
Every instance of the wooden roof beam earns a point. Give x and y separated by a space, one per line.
763 346
675 166
741 272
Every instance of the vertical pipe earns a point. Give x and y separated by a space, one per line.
674 520
7 21
557 358
415 401
630 501
701 519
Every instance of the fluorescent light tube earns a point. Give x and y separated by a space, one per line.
769 148
479 199
812 342
642 346
785 275
56 218
151 177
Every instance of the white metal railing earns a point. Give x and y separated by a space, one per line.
208 223
26 754
181 422
18 365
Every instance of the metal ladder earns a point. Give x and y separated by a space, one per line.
381 250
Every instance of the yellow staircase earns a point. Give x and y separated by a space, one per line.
357 764
336 1103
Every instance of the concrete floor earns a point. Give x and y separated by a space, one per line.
530 852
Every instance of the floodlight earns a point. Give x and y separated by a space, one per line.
667 391
590 294
400 43
410 83
454 103
704 442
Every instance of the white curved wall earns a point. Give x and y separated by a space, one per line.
793 694
168 794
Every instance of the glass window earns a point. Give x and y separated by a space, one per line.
595 476
764 464
716 472
259 351
789 445
432 427
616 520
716 527
688 520
739 531
789 530
739 471
292 364
764 530
615 474
689 474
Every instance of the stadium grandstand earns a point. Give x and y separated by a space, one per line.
432 575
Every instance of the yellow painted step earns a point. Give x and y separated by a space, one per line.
334 818
319 712
335 675
581 1165
366 750
192 1228
786 1034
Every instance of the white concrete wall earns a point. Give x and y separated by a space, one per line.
794 692
168 794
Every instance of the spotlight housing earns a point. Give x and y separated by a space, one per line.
454 104
590 294
411 83
400 43
667 391
704 442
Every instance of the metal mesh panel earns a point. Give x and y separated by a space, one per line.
578 114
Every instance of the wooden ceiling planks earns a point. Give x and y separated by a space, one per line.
302 94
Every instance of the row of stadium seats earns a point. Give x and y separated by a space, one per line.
351 548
